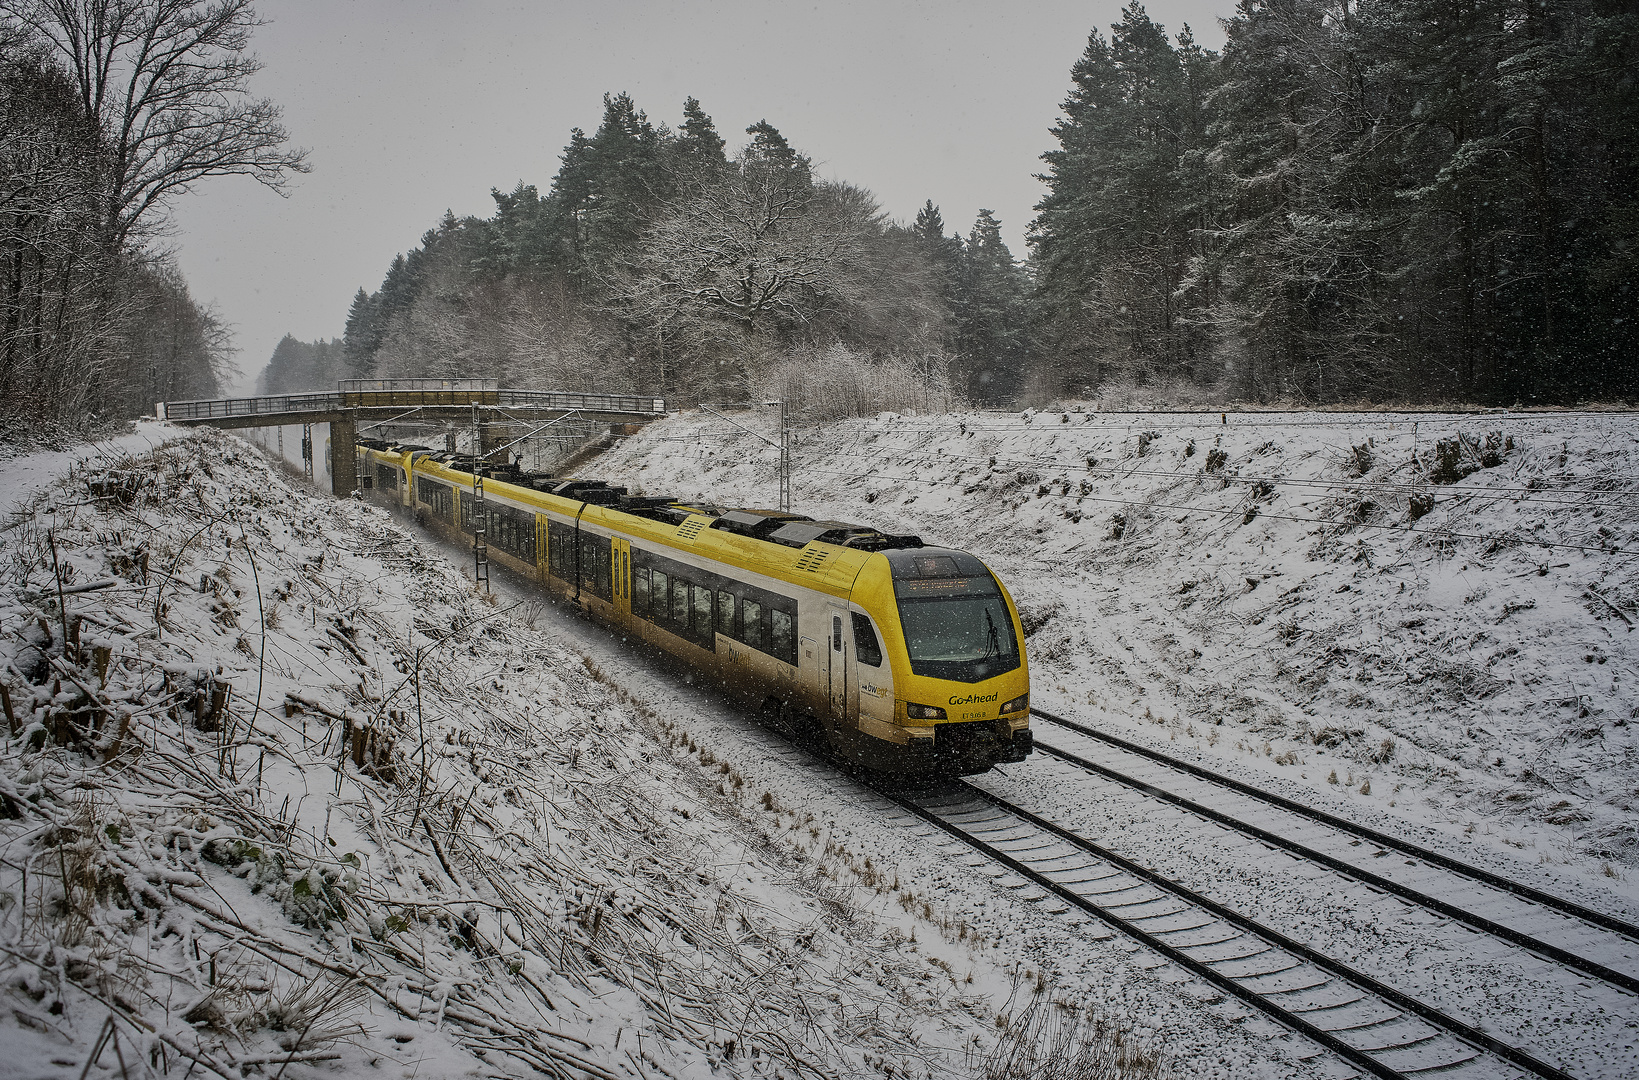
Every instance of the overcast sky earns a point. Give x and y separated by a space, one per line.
409 108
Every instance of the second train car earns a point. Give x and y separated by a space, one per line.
903 658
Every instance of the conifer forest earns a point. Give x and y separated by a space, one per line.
1354 201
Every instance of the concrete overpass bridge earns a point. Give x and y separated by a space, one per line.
365 403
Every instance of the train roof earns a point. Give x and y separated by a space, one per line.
770 526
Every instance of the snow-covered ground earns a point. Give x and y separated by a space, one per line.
1421 623
1301 598
577 862
292 799
24 473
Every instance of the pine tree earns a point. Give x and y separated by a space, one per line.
1117 238
991 316
698 146
609 184
769 150
1518 124
943 252
362 337
523 237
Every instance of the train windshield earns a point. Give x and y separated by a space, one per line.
957 625
962 638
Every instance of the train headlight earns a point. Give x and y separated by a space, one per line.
924 712
1018 704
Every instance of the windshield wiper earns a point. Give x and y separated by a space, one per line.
993 640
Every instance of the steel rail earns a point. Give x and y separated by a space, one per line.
1343 866
1466 1033
1497 881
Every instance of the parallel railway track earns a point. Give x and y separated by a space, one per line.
1600 932
1377 1029
1383 840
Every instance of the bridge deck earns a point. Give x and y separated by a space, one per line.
436 402
461 400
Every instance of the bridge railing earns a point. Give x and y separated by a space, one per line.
351 386
371 394
229 408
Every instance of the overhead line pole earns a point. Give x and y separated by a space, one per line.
783 446
785 462
480 530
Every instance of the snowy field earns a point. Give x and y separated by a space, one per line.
1293 597
1422 624
283 796
558 857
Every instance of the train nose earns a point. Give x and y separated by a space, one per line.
1024 744
971 747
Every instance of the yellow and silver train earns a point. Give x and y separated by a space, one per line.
902 658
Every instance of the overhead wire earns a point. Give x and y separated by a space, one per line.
1527 494
1234 420
1488 495
1505 538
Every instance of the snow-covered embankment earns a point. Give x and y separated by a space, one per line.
1421 621
282 794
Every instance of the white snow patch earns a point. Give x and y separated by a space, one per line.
540 865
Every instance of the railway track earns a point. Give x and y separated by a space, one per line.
1518 914
1377 1029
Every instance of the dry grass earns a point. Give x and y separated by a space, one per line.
1050 1040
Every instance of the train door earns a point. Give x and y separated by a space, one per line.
541 531
837 651
620 571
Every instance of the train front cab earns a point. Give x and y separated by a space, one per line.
950 691
384 473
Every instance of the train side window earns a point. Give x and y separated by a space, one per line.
680 601
560 550
595 566
725 613
836 633
784 637
660 594
751 624
640 591
867 650
702 611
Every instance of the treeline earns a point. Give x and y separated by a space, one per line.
658 261
298 366
106 111
1383 200
86 326
1372 199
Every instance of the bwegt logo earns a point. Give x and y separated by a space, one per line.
975 699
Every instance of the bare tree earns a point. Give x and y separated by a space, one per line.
55 303
166 81
755 245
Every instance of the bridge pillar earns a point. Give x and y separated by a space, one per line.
344 472
488 444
